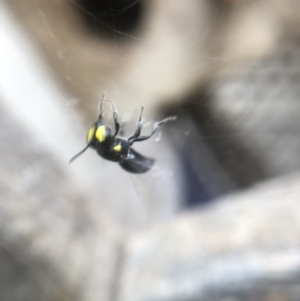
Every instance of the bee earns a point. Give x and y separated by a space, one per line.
118 149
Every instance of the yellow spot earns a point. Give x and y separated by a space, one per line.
91 134
118 148
100 133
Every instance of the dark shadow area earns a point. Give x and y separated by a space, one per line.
213 155
111 18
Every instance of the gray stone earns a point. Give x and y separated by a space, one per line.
51 245
259 105
243 247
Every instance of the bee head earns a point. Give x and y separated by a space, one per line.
98 132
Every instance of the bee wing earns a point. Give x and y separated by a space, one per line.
137 163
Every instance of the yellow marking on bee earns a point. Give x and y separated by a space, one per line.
100 133
118 148
91 134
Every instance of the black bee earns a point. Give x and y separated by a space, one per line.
117 149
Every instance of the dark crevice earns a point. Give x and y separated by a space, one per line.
244 166
111 18
213 155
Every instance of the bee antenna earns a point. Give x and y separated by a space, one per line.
81 152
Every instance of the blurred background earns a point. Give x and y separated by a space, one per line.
217 217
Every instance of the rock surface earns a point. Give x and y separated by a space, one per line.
245 247
53 247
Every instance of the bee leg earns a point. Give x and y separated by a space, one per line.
139 127
154 129
100 107
115 117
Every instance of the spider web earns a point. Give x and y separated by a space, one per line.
188 166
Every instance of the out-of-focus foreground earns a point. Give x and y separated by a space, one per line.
217 218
